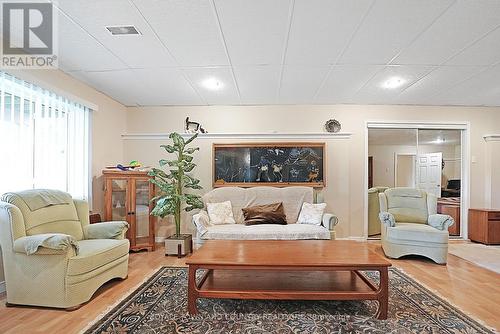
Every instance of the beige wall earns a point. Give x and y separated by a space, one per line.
108 123
345 190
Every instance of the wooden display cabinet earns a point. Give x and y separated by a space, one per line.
127 197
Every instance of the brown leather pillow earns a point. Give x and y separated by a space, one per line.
265 214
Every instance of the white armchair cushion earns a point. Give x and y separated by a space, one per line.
311 213
441 222
202 222
54 241
220 213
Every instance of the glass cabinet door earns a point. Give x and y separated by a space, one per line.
141 210
119 199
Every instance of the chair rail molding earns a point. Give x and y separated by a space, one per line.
270 135
491 137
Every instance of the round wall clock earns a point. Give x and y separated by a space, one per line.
333 126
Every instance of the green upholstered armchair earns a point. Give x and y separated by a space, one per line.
52 256
410 224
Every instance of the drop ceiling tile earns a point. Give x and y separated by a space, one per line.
484 52
390 26
121 85
148 87
436 81
481 89
344 81
227 95
321 29
300 83
374 91
137 51
188 28
258 84
255 31
79 51
461 25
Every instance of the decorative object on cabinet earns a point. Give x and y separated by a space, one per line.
270 164
128 197
484 226
171 190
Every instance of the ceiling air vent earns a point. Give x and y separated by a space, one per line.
123 30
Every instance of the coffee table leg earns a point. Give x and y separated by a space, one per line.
192 293
383 296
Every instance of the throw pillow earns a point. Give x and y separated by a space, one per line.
265 214
220 213
311 213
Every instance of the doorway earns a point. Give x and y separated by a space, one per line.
431 157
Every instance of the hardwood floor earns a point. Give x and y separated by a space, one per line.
473 289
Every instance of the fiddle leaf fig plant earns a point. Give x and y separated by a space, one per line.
173 181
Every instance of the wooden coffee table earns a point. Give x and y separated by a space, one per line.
298 269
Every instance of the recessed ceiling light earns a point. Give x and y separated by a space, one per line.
393 82
123 30
212 84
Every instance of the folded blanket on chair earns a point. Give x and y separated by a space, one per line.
387 218
57 241
40 198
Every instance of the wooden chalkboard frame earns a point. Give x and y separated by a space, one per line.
319 184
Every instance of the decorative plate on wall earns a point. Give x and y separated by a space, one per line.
333 126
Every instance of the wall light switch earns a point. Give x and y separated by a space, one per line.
473 159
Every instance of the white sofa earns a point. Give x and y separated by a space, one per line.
292 198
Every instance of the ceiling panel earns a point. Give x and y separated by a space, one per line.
440 79
321 29
258 84
95 16
344 81
79 51
484 52
390 26
461 25
188 28
255 31
120 85
164 86
374 91
481 89
300 83
228 94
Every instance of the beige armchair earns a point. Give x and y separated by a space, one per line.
52 256
374 210
410 225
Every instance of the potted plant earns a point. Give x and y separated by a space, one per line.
171 184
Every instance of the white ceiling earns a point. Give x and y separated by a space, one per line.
285 51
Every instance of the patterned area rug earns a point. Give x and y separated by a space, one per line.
160 304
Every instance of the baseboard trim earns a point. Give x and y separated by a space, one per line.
2 287
352 238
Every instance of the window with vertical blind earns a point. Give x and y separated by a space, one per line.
44 139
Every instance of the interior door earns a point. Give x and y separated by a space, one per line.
429 172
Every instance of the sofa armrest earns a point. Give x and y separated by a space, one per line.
329 221
201 221
46 244
387 218
106 230
440 222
